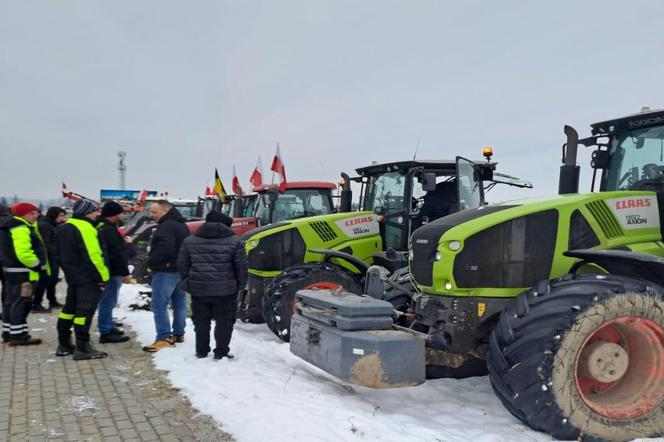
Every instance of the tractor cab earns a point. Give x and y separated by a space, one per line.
408 194
629 154
299 199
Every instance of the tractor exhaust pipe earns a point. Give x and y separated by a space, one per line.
346 194
569 171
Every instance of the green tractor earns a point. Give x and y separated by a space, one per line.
335 250
560 297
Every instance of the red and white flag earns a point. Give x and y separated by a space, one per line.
279 168
143 195
237 189
256 178
208 191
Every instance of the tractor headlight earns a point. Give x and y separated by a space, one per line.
454 245
437 256
253 243
448 286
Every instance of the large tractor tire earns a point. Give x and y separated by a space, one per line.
583 357
279 301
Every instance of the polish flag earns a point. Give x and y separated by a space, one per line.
143 195
237 189
278 168
208 192
256 178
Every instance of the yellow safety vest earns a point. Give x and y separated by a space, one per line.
91 241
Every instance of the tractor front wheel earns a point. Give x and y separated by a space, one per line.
279 301
583 356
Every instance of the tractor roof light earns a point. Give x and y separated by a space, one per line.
487 152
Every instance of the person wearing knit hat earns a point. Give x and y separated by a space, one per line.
217 217
48 226
116 247
213 266
84 207
24 263
86 270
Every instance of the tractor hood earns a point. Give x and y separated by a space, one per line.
515 244
275 247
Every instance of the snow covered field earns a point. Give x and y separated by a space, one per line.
267 393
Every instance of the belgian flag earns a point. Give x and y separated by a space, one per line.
219 186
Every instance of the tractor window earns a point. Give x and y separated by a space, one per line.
636 157
386 192
263 209
581 235
301 203
248 211
469 187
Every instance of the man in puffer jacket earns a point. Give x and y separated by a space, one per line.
213 265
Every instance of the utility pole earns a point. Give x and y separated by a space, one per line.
122 167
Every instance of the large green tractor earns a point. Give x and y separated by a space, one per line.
334 251
561 297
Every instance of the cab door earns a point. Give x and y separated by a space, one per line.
470 191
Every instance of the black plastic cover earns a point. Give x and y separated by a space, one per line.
515 253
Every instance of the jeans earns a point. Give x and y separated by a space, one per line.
166 289
109 298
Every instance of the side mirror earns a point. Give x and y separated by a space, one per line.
273 195
428 182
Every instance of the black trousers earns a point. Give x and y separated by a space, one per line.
47 285
223 311
80 306
15 309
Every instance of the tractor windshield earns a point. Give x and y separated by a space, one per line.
636 156
292 204
386 192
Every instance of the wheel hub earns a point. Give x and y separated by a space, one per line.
620 368
603 361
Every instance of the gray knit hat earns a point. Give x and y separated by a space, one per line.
84 207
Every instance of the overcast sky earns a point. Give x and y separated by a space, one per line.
184 87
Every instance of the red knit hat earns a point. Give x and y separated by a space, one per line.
20 209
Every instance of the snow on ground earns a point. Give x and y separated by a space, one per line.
266 392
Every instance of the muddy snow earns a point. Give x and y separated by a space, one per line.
266 392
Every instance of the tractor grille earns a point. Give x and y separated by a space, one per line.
605 219
323 230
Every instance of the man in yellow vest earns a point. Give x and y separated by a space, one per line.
24 262
83 260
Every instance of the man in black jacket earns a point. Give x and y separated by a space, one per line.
48 225
83 260
116 248
164 247
213 266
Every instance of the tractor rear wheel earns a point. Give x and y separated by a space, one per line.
279 300
583 356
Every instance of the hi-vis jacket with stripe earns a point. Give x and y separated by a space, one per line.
22 251
81 251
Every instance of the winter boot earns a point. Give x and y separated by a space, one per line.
227 355
112 338
26 340
65 347
85 351
40 309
